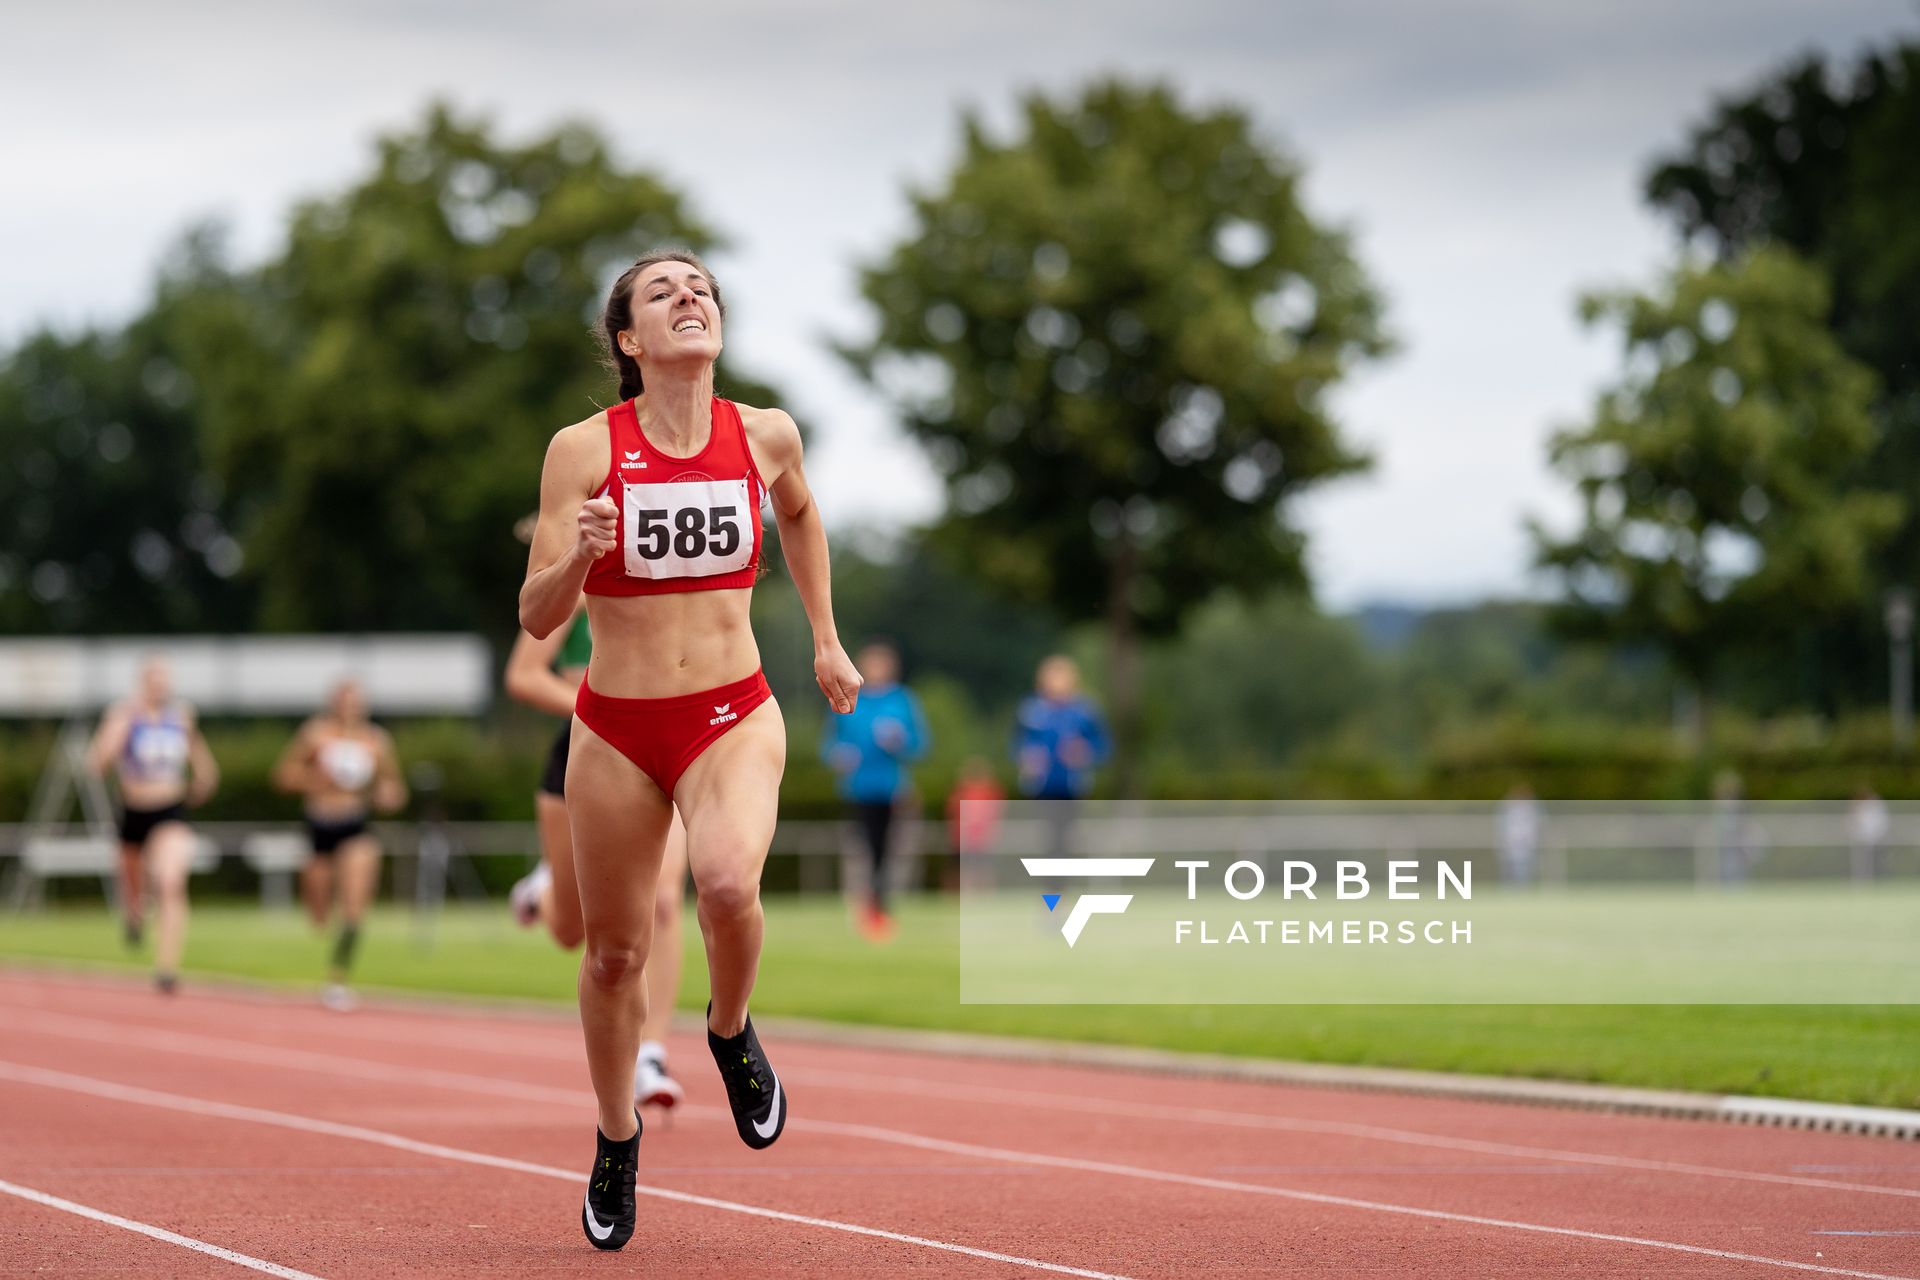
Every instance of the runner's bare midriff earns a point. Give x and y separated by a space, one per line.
666 645
141 793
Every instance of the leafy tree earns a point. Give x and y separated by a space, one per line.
107 518
377 397
1716 474
1115 333
1819 156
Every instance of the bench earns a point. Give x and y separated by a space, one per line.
71 857
276 856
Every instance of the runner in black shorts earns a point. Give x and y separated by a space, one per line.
546 674
152 742
344 765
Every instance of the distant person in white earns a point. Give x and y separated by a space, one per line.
343 766
1519 835
152 744
1866 832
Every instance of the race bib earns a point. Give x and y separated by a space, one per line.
687 528
348 763
157 748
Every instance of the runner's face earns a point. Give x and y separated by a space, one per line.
674 315
156 683
878 665
1059 678
349 704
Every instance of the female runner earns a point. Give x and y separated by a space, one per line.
546 675
153 741
653 509
344 765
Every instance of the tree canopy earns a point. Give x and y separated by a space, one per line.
379 395
1115 332
1716 475
340 437
108 518
1819 156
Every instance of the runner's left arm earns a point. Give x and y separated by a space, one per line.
203 769
803 538
389 787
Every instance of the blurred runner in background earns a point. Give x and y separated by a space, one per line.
152 742
545 674
344 767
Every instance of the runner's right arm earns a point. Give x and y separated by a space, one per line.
110 739
575 529
292 772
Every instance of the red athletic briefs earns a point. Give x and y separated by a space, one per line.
663 736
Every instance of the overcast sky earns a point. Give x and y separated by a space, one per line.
1486 154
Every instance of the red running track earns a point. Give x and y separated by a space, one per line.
260 1133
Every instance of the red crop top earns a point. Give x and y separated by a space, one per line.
685 524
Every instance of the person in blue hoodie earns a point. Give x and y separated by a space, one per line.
1059 739
869 748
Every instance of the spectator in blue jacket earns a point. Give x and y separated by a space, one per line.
1059 737
869 748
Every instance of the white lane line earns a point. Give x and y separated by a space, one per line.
117 1033
157 1233
208 1046
1312 1197
71 1083
1377 1133
895 1137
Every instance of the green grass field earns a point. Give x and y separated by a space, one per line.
816 967
1780 943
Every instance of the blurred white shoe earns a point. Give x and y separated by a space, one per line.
652 1086
526 894
338 998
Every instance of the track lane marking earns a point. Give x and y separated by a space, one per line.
21 1073
574 1097
1337 1128
156 1233
1314 1197
81 1027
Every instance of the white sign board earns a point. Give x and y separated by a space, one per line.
243 675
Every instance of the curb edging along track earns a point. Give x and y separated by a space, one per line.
1886 1122
1790 1113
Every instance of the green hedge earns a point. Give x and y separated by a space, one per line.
489 770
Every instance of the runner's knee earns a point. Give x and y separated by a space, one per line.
727 895
614 964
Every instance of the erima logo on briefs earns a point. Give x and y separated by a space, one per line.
633 460
1087 905
722 714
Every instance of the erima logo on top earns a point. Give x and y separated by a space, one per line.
633 460
723 713
1087 905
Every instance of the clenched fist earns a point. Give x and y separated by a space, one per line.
599 528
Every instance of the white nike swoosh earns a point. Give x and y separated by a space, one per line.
773 1116
593 1223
